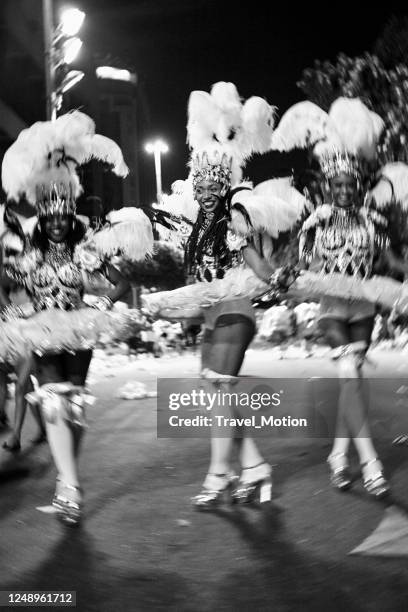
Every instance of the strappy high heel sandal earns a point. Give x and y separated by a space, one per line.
340 476
376 484
255 484
68 511
216 489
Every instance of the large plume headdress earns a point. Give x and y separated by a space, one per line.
223 132
343 140
42 163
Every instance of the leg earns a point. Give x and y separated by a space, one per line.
359 427
230 341
231 338
77 367
23 371
3 397
206 349
223 351
64 422
337 334
374 481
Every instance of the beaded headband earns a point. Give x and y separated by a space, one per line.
55 199
340 162
218 169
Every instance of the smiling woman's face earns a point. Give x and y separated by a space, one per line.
57 227
209 195
343 190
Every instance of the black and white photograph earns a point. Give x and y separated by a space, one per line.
203 306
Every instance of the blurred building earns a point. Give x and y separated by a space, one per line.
112 103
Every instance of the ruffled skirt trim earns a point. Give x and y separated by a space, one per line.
53 331
241 282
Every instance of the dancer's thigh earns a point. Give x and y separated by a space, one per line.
336 331
361 330
229 343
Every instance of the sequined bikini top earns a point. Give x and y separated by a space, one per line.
57 282
52 279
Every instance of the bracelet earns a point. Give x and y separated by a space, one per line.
103 303
279 280
11 312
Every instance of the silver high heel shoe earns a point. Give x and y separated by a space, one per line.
340 476
376 484
68 511
255 484
216 489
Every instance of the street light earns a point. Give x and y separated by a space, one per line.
71 21
61 48
157 148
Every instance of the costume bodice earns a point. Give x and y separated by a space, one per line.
344 240
57 281
54 278
345 243
213 266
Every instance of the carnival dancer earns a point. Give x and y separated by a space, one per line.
11 244
343 237
222 134
41 165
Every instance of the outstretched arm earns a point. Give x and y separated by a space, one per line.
258 264
121 284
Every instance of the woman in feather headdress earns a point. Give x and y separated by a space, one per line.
52 265
342 240
226 260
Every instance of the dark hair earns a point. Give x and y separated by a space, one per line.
12 223
75 234
213 238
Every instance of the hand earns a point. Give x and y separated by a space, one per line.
283 278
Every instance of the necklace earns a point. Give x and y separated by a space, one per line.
58 254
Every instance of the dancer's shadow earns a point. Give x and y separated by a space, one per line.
75 564
284 577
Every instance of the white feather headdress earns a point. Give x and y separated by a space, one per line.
341 138
223 132
269 208
41 164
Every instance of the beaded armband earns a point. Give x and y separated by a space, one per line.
103 303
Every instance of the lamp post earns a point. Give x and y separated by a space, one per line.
61 47
157 148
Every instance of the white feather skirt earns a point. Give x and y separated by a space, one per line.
187 302
53 331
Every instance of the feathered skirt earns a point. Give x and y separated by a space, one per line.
54 330
241 281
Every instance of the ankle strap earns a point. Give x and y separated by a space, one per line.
254 466
370 462
336 455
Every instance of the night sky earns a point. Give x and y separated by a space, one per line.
176 46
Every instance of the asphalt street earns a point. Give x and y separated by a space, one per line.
141 545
